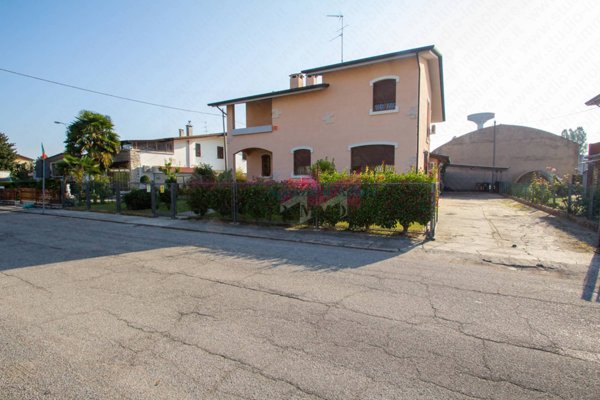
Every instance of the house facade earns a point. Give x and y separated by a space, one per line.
145 157
360 113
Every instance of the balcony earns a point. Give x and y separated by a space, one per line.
253 129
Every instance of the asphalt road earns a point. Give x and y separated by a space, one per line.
99 310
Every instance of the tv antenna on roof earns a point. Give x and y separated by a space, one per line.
341 30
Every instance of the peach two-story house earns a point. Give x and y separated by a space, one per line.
360 113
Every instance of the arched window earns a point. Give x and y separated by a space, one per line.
302 162
265 161
384 95
372 156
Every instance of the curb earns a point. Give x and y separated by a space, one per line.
340 243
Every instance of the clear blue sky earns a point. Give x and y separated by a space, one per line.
533 63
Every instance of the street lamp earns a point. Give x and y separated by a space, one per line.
61 123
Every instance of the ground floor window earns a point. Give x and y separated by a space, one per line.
371 156
265 161
302 162
220 152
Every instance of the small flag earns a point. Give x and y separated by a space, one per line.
44 156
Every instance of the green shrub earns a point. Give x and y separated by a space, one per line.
204 173
138 200
199 199
258 201
220 199
323 167
376 197
144 179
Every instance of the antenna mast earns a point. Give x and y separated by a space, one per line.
341 30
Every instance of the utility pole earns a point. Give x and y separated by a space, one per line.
341 30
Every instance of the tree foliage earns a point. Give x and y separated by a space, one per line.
21 171
578 136
79 167
93 135
7 153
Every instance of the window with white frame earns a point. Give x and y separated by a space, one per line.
302 162
384 95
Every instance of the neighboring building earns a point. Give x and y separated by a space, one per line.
593 158
23 160
360 113
520 152
593 165
145 157
19 159
51 166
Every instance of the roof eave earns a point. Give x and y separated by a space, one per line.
271 95
368 60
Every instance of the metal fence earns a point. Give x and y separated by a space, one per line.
387 208
572 198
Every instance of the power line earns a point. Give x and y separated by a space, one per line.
107 94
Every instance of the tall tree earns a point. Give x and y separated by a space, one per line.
79 167
578 136
93 135
7 153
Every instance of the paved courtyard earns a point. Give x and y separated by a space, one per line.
102 310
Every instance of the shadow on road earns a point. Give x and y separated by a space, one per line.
28 240
590 281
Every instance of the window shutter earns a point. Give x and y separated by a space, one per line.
384 95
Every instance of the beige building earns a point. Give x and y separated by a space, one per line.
506 153
360 113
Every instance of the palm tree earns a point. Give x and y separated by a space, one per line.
93 135
78 168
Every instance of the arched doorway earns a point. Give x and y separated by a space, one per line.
259 163
528 177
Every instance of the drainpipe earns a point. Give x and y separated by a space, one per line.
225 147
418 111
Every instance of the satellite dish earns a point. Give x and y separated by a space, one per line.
480 118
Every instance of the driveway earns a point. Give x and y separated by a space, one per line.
101 310
495 229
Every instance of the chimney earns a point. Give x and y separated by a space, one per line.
296 81
311 79
189 129
180 132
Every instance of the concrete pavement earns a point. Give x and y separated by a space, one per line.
94 309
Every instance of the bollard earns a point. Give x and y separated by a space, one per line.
173 187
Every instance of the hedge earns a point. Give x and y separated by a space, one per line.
384 199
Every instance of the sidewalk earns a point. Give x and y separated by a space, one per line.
353 240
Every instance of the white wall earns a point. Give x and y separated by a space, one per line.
154 159
179 158
208 154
